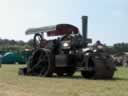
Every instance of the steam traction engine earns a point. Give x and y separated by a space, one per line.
67 54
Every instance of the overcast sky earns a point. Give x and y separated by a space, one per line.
108 19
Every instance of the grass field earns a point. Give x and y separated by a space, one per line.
13 85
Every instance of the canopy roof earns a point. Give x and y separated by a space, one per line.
54 30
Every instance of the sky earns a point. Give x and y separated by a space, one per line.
107 19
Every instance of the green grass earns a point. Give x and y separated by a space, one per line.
13 85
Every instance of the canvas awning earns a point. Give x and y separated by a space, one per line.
54 30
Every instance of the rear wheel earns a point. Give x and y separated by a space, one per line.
41 63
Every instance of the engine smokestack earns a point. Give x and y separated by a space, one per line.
84 29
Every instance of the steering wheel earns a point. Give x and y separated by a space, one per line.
37 40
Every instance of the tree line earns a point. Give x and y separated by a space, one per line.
19 46
15 46
119 48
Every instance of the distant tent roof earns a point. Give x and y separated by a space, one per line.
55 30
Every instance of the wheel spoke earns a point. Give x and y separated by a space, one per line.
45 61
40 65
39 61
43 69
